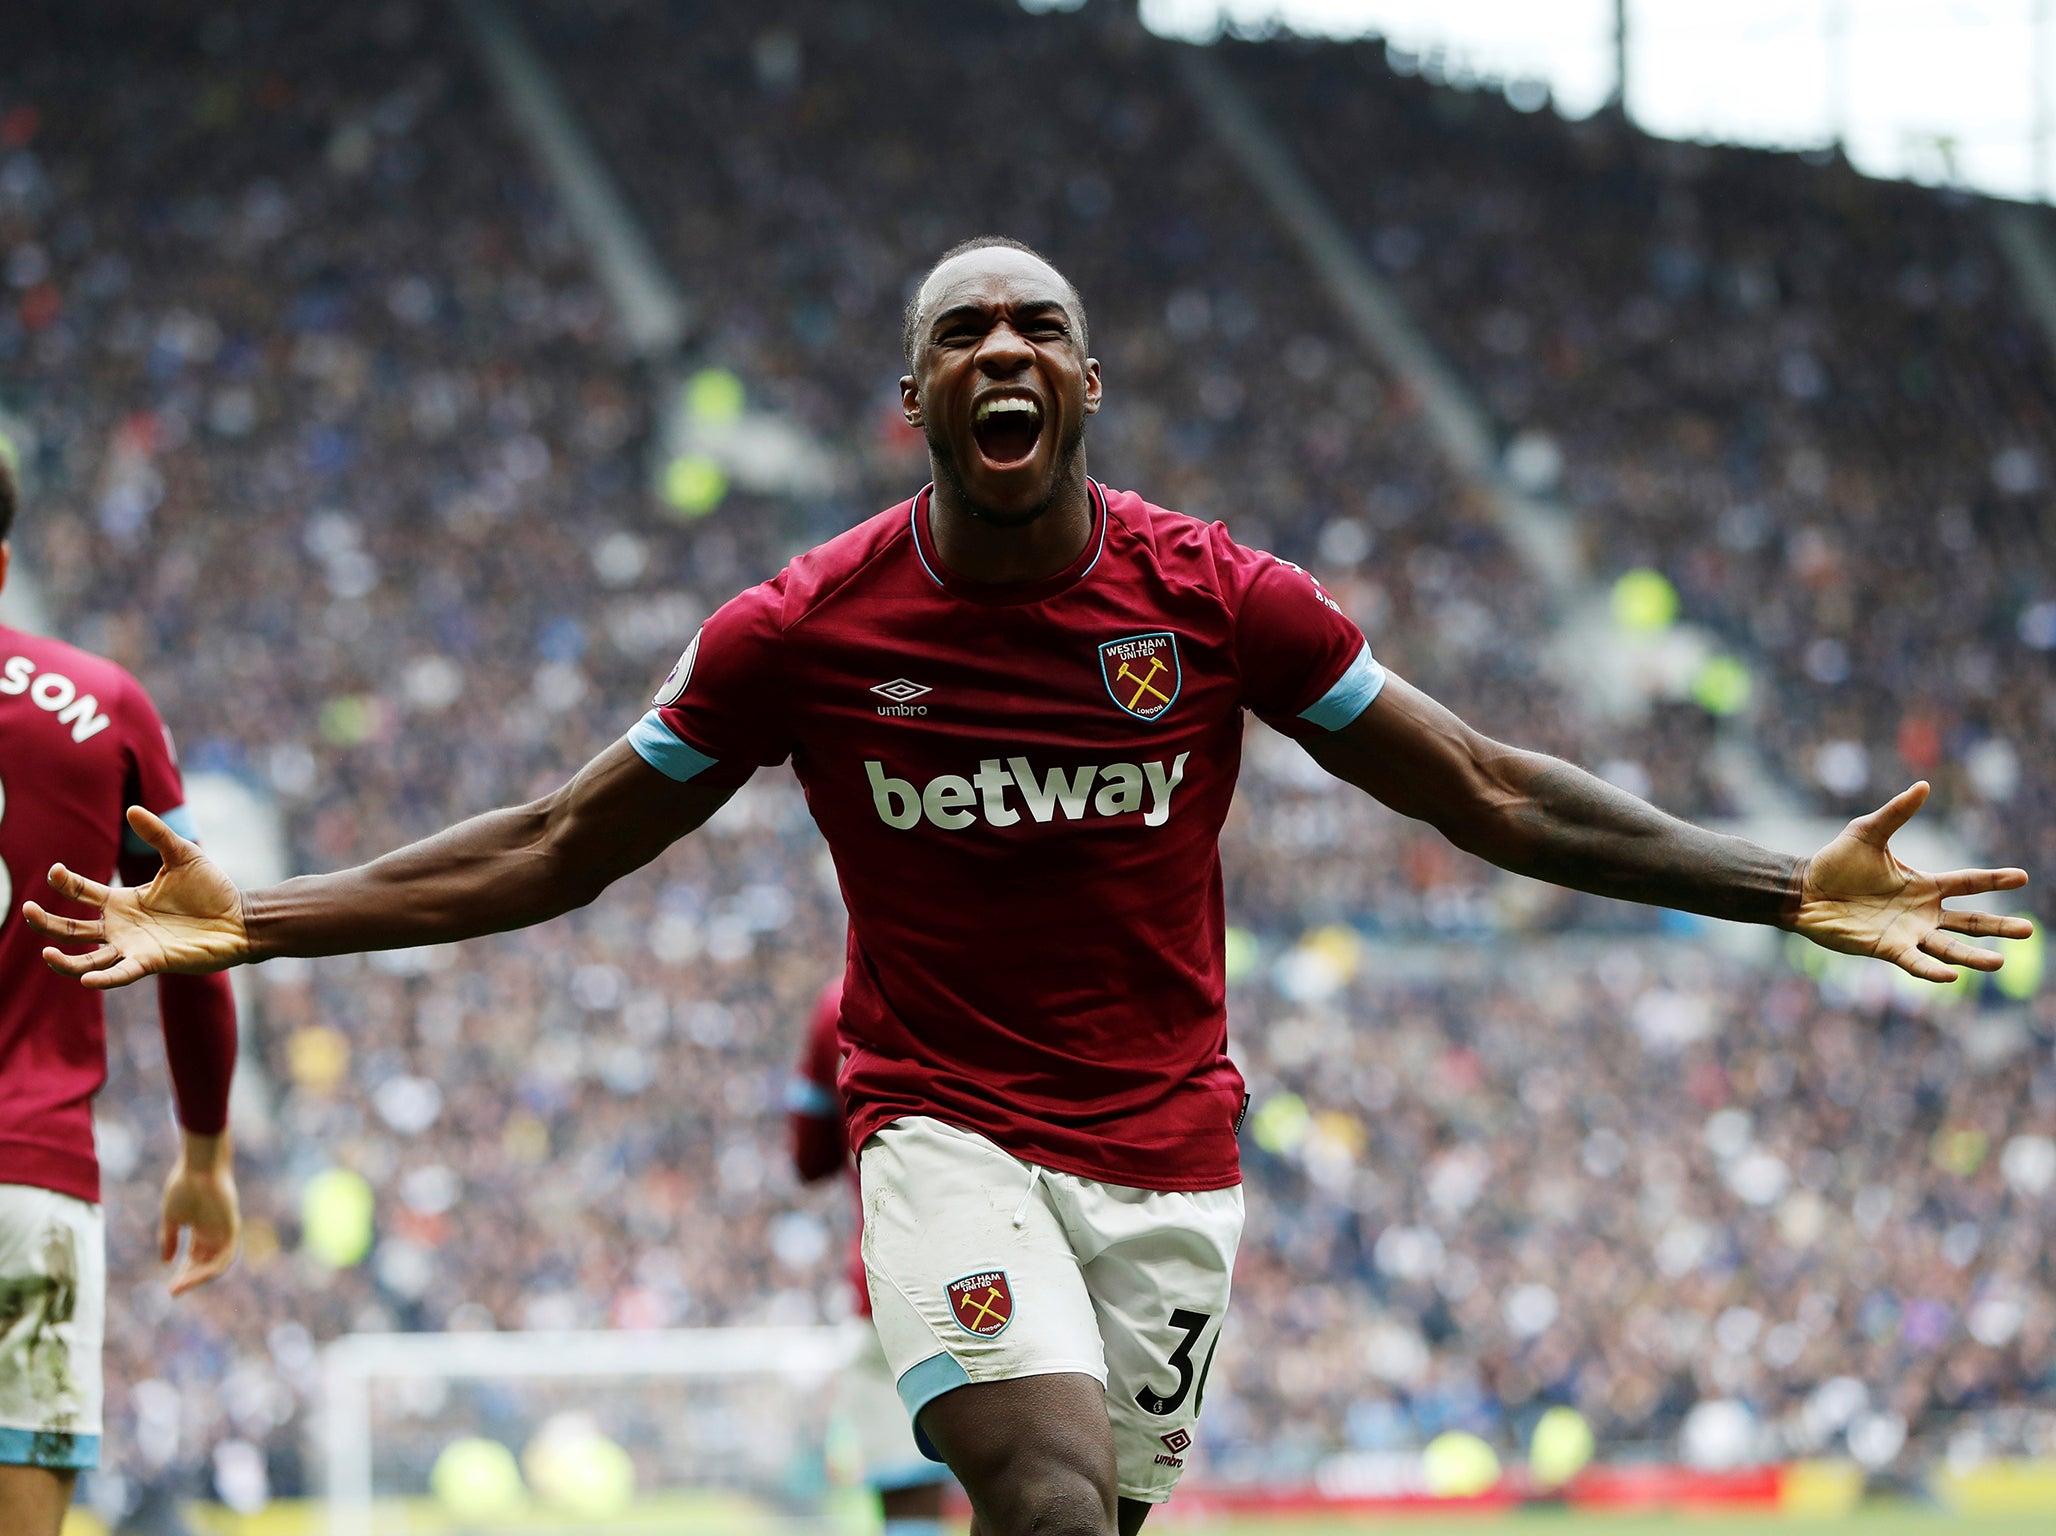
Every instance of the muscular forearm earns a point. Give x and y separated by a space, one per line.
1559 823
494 872
505 869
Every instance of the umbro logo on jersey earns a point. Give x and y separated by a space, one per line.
952 802
1142 673
902 692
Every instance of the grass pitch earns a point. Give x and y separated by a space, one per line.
305 1518
1870 1520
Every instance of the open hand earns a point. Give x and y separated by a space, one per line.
200 1197
1859 899
188 920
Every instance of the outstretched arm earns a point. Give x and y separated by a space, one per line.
1539 816
504 869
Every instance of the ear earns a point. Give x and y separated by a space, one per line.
910 400
1092 385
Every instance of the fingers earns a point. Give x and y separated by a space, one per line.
202 1266
1987 925
1877 828
167 1238
1954 951
67 882
119 974
1976 882
206 1257
152 829
1926 967
78 967
73 929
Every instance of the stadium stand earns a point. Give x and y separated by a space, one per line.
1813 400
329 439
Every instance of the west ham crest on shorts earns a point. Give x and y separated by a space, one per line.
982 1303
1142 673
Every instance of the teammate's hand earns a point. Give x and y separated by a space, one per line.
200 1197
189 920
1858 898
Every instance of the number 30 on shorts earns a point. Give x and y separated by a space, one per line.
1192 1324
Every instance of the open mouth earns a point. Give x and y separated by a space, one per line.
1007 428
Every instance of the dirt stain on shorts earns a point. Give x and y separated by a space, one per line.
33 1312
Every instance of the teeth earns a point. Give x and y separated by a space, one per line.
1013 404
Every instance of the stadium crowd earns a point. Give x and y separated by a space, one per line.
1817 402
329 438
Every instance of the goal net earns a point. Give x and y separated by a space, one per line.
712 1431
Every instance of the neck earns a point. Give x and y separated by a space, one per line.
980 550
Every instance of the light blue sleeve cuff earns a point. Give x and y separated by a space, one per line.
804 1096
1351 695
178 818
660 746
922 1384
59 1450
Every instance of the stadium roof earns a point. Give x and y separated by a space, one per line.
1945 92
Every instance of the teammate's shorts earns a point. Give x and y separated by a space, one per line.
867 1401
987 1268
53 1311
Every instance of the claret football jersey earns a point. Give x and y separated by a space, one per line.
1023 788
79 741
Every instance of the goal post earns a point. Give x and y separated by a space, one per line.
756 1383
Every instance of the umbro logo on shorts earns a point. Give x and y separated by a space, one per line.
982 1303
1176 1441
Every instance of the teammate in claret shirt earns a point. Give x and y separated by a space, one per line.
1015 702
909 1485
79 740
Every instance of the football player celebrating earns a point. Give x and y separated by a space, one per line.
79 740
1015 702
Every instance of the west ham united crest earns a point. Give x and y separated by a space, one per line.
1142 673
982 1303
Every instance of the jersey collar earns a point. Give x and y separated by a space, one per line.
1011 592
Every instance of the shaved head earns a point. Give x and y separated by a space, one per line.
917 305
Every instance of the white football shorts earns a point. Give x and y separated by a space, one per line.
53 1313
867 1400
987 1268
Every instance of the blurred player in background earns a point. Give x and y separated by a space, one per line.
1015 702
79 740
909 1486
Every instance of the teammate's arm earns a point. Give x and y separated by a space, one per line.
1542 817
505 869
813 1104
198 1018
